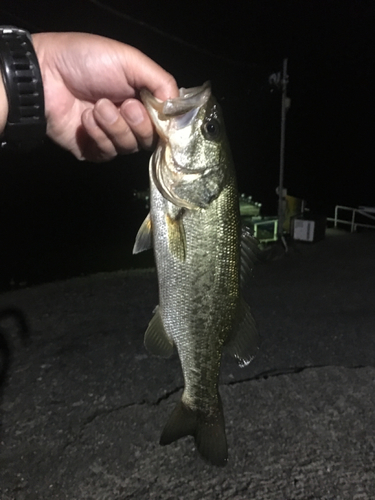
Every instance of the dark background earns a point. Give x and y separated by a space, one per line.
60 217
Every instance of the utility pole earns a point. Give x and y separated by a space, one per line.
284 98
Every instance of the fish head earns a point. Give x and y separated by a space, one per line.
192 160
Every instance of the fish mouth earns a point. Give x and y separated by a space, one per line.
189 99
182 109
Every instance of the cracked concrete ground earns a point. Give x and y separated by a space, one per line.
84 404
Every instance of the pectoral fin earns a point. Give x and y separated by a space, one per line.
245 342
143 240
156 338
176 236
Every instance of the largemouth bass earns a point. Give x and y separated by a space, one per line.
194 226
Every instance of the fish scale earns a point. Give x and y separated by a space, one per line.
198 292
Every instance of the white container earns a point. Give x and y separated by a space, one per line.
309 229
303 230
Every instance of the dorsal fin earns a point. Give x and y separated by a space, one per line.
243 344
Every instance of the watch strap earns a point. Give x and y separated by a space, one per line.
26 123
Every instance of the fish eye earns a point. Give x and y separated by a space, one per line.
211 129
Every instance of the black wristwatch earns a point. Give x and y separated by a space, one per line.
26 124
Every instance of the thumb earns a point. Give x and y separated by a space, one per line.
143 72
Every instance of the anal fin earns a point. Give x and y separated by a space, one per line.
244 343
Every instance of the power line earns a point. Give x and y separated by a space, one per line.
168 36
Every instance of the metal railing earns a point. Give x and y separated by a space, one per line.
367 212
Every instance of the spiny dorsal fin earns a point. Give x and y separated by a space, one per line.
176 236
245 341
156 339
143 240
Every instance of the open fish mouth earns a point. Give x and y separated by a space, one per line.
182 109
189 99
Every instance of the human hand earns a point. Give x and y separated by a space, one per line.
91 85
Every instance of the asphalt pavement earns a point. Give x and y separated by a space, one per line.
83 403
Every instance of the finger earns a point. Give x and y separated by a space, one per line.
139 121
113 124
96 146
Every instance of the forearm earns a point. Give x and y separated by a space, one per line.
3 106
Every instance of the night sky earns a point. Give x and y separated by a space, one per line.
60 217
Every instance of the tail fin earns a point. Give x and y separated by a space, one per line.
207 429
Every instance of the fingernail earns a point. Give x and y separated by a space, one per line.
107 111
89 119
133 112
